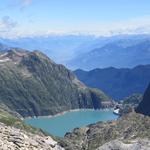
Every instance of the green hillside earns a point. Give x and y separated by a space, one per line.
33 85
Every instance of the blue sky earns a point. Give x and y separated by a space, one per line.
101 17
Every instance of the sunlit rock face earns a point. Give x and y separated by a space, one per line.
12 139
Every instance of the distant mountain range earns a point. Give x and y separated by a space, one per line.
4 47
89 52
33 85
59 48
122 53
117 83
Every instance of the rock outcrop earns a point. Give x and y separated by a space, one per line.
15 139
138 144
130 103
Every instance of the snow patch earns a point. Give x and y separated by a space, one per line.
5 60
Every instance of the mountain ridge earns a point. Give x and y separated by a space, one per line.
120 54
34 85
65 48
117 83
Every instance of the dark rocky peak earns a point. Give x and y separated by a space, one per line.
18 55
144 106
36 56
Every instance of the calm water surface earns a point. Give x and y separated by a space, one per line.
59 125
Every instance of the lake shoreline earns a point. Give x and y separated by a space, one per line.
67 111
61 123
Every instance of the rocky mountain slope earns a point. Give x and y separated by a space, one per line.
118 83
144 106
133 100
33 85
130 103
12 139
128 130
13 119
15 134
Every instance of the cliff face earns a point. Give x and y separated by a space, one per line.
144 106
33 85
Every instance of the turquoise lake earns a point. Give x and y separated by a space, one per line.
59 125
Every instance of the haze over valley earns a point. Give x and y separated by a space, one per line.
88 52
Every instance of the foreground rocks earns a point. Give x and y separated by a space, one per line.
130 132
138 144
16 139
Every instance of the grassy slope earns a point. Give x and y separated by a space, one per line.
37 86
11 120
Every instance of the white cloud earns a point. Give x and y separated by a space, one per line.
26 2
7 23
13 4
6 26
139 25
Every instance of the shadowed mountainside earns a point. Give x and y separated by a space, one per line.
144 106
118 83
